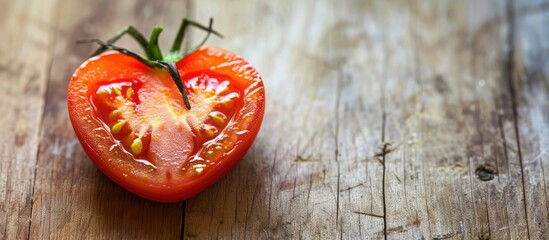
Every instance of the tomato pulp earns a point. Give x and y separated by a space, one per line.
133 124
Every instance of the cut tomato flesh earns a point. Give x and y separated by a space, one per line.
134 126
149 121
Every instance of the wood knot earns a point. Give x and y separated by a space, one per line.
383 151
486 172
441 85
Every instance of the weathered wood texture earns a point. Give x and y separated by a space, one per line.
396 119
23 74
434 90
71 198
53 191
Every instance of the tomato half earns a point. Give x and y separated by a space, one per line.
132 122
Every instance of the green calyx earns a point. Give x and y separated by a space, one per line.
153 54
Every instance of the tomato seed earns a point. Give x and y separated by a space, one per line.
129 93
137 146
116 128
112 115
219 120
117 91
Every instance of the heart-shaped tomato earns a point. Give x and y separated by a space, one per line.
133 124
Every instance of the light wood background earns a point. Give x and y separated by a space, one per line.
385 119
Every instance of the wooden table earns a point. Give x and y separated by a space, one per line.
396 119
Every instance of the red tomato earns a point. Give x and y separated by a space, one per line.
133 124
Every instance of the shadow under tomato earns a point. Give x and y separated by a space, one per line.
227 207
121 214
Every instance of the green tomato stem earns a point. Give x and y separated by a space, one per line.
153 50
176 47
133 32
153 55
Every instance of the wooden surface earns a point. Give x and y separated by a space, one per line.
396 119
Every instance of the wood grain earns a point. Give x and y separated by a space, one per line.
403 123
23 76
72 199
384 120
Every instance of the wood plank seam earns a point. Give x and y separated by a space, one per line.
384 144
189 4
510 77
336 152
52 37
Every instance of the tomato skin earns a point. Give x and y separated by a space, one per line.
175 179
